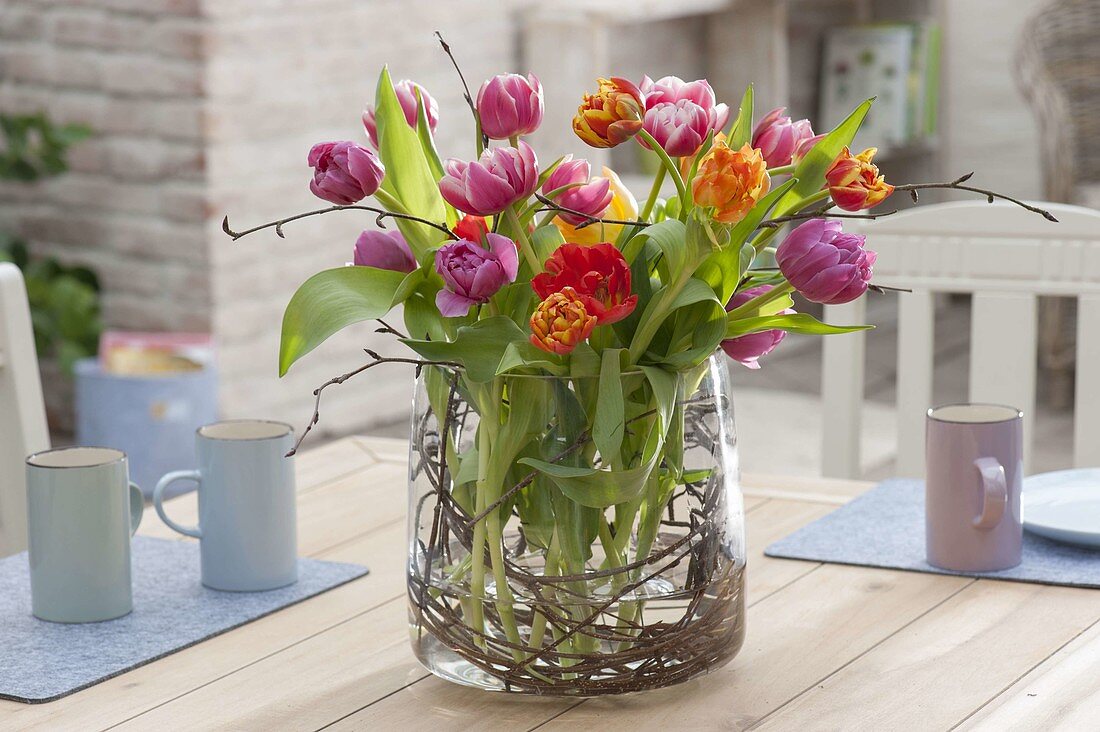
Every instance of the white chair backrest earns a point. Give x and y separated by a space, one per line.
1005 257
22 414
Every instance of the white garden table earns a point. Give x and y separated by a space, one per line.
827 646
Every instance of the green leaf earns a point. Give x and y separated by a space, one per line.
409 176
584 361
478 348
522 354
431 155
740 131
810 172
609 424
746 226
332 300
664 384
545 240
792 323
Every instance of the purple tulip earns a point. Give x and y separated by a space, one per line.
343 172
501 177
590 196
679 127
384 250
472 274
777 137
748 349
672 89
406 96
510 105
825 264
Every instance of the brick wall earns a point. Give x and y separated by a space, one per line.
207 108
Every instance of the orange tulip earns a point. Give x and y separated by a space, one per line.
560 322
731 181
855 182
612 115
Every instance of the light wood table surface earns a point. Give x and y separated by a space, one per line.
827 646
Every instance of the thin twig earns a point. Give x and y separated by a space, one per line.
588 220
883 289
465 88
378 360
957 185
382 214
387 328
820 213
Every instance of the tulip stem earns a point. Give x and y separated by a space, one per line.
782 170
681 189
525 243
382 214
760 301
658 181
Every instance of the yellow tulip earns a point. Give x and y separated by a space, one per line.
623 207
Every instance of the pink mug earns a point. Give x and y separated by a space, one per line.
974 472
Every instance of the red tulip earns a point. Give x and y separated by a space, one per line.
597 273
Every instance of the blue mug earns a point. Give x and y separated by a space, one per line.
82 510
247 528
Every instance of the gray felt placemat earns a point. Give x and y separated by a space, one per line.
885 528
42 661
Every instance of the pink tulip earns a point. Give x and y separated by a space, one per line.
406 96
472 274
825 264
502 176
510 105
777 137
343 172
673 89
804 146
747 349
384 250
590 196
678 127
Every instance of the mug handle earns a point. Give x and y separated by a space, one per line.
158 499
994 492
137 507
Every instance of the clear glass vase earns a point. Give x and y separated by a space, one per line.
574 538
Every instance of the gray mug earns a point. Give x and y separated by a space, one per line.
247 519
82 510
974 475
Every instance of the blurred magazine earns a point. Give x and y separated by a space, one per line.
143 354
898 63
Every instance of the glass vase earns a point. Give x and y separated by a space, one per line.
569 537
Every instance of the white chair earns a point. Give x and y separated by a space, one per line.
1005 257
22 414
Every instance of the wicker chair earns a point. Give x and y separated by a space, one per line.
1058 71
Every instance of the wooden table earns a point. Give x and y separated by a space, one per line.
827 646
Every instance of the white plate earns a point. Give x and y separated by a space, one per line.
1064 506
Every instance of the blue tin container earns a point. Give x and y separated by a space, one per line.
150 418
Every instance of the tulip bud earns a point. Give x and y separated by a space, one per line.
777 137
854 181
502 176
825 264
747 349
510 105
560 322
343 172
589 196
406 96
673 89
612 115
731 181
678 127
384 250
803 148
623 207
471 228
472 274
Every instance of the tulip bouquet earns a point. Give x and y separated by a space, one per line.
575 519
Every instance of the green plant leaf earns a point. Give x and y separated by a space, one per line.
478 348
664 385
409 176
334 299
609 424
431 155
740 131
522 354
810 172
792 323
